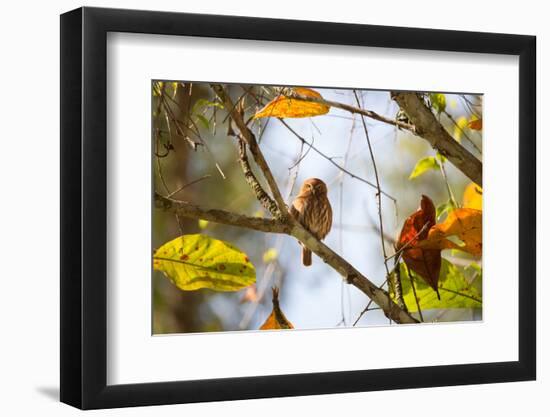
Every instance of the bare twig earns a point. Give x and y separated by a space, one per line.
468 138
288 92
417 301
331 160
449 190
183 187
367 308
379 204
461 294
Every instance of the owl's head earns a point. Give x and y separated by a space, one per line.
314 186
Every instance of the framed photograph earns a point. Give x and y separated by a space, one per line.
258 208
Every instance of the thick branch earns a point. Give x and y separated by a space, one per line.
430 129
352 275
250 178
292 228
186 209
250 139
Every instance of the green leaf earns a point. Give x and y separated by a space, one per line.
174 88
202 102
198 261
425 164
438 101
204 121
454 289
443 209
440 157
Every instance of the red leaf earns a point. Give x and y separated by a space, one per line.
425 262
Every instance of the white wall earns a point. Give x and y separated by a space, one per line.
30 204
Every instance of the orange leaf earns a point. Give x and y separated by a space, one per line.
282 106
426 262
476 124
473 197
276 319
464 223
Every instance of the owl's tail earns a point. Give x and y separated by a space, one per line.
306 256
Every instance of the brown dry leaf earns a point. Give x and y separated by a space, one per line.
276 319
473 197
283 107
465 224
476 124
426 262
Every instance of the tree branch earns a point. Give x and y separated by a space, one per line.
431 130
250 140
292 228
352 275
288 92
250 178
183 208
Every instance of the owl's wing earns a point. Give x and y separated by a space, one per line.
329 214
294 212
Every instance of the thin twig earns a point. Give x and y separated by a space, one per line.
288 92
331 160
449 190
188 185
471 297
414 292
378 200
451 118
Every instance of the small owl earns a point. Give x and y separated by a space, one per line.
312 209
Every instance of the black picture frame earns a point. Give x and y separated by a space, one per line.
84 207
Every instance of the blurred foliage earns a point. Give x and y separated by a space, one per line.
454 287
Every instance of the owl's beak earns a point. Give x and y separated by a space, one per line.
312 188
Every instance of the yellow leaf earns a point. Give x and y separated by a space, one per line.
465 224
270 255
283 106
276 319
438 101
461 124
203 224
428 163
198 261
473 197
